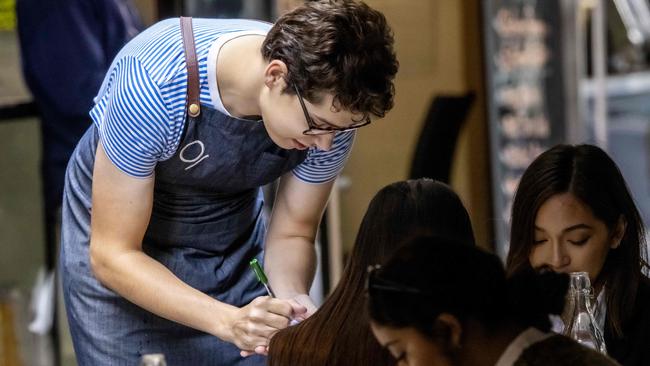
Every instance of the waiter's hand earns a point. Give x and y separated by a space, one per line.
303 307
254 324
303 300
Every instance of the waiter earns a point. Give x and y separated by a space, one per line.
162 202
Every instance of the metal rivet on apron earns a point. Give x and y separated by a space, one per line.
194 110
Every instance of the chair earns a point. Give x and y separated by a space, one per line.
435 147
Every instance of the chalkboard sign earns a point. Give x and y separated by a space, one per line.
523 64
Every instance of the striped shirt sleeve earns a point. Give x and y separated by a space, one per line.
133 119
323 166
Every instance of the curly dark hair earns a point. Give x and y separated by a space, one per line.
342 47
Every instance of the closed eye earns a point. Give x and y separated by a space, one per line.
321 123
579 242
538 242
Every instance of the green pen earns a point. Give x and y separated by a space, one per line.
261 276
259 272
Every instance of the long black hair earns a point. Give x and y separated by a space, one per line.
589 174
338 333
429 276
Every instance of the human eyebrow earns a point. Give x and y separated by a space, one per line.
577 227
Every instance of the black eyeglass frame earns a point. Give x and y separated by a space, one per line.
314 129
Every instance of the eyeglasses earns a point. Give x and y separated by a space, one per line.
315 129
374 282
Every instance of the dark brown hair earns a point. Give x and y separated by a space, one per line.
341 47
428 276
589 174
339 333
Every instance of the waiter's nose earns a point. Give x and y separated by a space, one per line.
324 142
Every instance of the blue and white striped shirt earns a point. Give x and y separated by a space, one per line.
140 108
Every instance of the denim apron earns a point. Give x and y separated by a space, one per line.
206 224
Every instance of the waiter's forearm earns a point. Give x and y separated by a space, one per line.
150 285
290 257
290 263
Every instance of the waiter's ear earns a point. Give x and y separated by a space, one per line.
275 73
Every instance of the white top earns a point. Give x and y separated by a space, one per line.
599 310
524 340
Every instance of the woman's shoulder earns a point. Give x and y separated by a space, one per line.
559 350
634 347
642 304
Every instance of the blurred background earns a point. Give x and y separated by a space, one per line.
484 86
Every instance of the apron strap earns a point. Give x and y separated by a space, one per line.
193 88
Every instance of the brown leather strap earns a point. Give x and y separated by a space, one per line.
193 88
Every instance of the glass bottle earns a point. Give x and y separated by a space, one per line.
153 359
582 325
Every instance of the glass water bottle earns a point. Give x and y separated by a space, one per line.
153 359
582 325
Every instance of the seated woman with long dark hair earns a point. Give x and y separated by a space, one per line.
438 303
338 333
574 213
